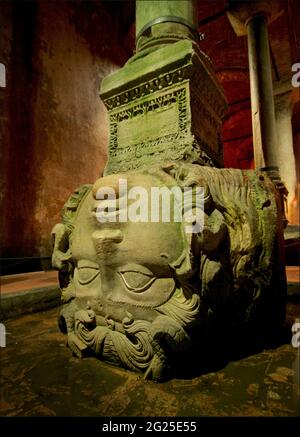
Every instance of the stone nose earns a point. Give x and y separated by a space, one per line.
107 236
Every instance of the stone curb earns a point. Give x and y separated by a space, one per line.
29 301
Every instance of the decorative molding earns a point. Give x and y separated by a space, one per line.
146 88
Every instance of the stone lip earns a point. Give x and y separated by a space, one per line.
140 68
29 301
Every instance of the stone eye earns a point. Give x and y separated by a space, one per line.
87 274
137 281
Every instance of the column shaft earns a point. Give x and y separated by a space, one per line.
286 156
262 103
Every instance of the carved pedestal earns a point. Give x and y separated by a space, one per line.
164 105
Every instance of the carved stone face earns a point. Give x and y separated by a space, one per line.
119 278
135 292
124 267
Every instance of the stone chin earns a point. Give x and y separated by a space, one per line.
134 294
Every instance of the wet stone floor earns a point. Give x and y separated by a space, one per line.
40 377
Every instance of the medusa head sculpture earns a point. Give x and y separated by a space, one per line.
140 293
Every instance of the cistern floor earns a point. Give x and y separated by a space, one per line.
40 377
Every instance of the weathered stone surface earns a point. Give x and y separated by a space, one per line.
51 113
140 294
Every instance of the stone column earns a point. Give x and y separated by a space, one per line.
252 19
164 21
262 103
285 150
